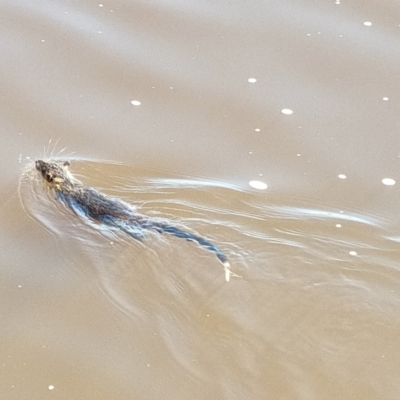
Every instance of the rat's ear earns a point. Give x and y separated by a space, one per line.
66 164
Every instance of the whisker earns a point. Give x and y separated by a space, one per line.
65 148
54 147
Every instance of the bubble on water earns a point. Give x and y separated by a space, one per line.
136 103
51 387
258 185
353 253
252 80
385 98
342 176
287 111
367 23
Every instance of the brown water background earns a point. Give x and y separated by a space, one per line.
87 313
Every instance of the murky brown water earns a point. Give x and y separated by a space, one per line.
87 313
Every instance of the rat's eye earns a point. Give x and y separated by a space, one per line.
48 177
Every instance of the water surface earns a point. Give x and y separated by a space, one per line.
88 313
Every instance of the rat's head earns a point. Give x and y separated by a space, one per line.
54 174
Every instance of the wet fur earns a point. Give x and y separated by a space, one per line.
89 202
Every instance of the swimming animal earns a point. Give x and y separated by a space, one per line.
111 211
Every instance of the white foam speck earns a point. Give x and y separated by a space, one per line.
136 103
342 176
353 253
257 130
388 181
252 80
51 387
258 185
385 98
367 23
338 225
287 111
